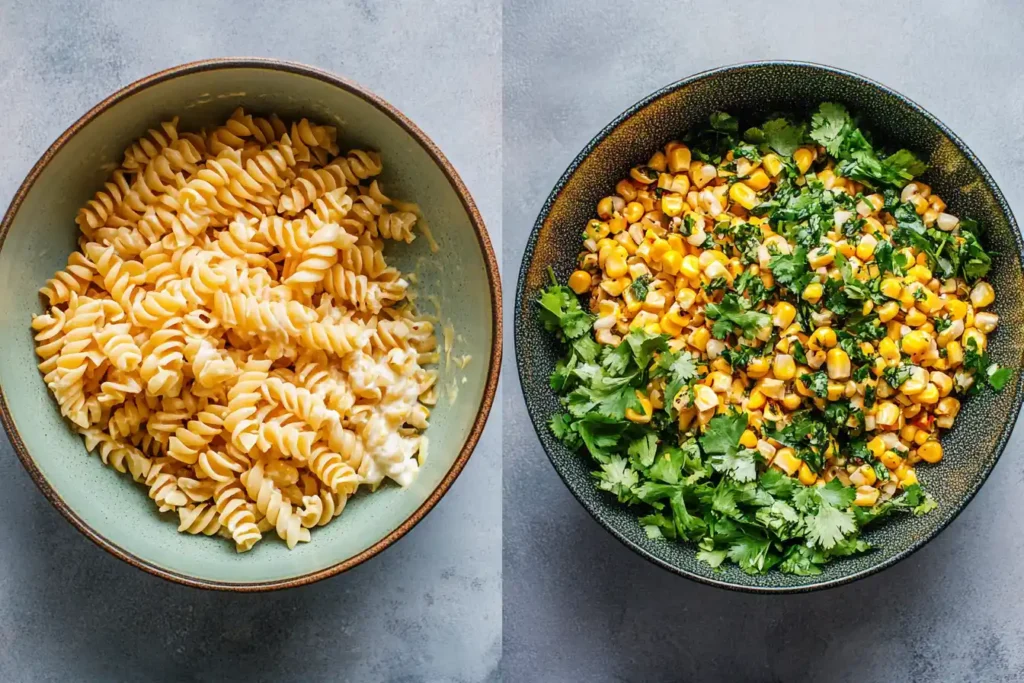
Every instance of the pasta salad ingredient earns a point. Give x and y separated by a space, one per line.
230 335
781 322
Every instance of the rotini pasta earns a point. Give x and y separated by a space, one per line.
230 335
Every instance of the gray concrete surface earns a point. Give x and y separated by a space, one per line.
428 609
581 607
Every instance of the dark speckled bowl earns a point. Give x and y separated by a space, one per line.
975 443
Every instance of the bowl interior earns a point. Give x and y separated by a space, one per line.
985 422
43 234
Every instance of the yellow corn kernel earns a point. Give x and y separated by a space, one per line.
921 437
699 338
928 395
977 336
615 287
626 189
672 204
616 225
786 460
743 195
756 400
597 230
772 164
652 328
887 414
679 159
615 266
647 411
920 204
671 262
864 476
888 311
690 267
659 248
908 432
836 390
803 158
846 249
866 247
807 476
671 323
758 367
957 309
982 295
916 342
822 338
758 180
783 367
954 354
876 446
930 451
783 314
838 363
915 318
791 401
919 273
658 162
867 496
905 474
579 281
812 293
610 205
748 439
942 382
891 287
891 459
822 256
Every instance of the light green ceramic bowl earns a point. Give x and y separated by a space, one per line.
38 232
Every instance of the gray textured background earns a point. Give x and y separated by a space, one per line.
581 607
428 609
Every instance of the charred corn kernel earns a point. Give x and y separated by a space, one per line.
690 267
748 439
942 382
720 382
659 249
916 342
864 476
658 162
704 398
615 266
838 363
948 407
786 460
807 476
866 247
920 273
791 401
608 206
822 256
888 311
930 451
701 174
783 367
867 496
679 159
699 338
579 281
891 287
783 314
758 180
957 309
672 322
977 336
672 204
758 367
954 354
633 212
891 459
915 318
743 195
756 400
626 189
887 414
646 410
982 295
671 262
812 293
822 338
615 287
803 158
772 164
836 390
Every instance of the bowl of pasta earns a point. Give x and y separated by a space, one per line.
241 285
766 326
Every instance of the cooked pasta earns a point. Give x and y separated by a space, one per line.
230 335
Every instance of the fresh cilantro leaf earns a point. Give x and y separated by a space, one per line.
789 268
724 122
896 376
751 554
723 433
713 558
837 495
778 484
642 450
829 125
560 310
734 312
644 345
678 368
829 525
740 465
998 377
783 136
616 476
816 382
667 466
640 287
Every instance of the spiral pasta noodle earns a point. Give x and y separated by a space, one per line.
230 335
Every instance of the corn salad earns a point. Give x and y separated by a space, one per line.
807 308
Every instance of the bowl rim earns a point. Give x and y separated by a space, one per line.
520 308
493 280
